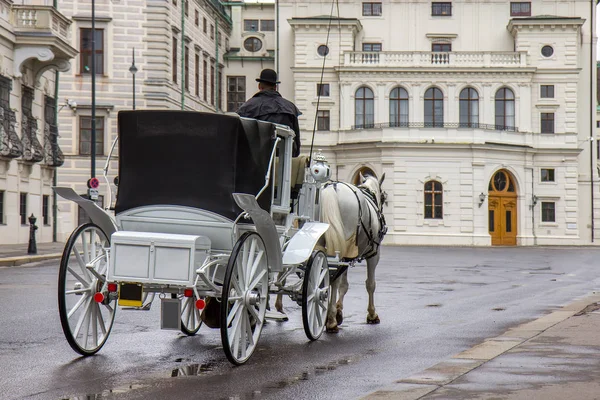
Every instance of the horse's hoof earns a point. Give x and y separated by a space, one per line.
339 317
335 329
373 321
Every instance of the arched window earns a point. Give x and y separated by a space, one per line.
398 107
434 197
469 108
364 108
505 109
434 108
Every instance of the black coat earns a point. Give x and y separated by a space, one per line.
268 105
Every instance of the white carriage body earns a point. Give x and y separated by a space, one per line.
156 258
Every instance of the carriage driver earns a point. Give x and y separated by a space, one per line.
268 105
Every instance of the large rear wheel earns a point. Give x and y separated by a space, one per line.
315 295
86 323
244 298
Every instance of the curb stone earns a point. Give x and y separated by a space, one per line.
431 379
20 260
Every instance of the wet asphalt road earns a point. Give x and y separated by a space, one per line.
433 303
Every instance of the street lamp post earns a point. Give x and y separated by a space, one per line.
133 69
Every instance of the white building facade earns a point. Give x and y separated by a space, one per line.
34 45
178 46
481 114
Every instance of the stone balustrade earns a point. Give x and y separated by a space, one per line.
42 19
454 59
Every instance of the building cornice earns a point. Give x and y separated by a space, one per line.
324 22
88 18
543 22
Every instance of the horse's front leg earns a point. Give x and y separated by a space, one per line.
372 317
279 299
343 289
332 325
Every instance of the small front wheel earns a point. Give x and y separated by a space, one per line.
190 315
315 295
244 298
86 323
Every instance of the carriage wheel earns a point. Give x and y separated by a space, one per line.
315 295
85 323
190 315
244 298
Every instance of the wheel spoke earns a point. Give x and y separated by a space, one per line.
254 313
324 273
257 280
81 262
233 312
101 322
94 322
77 305
255 266
85 248
77 291
79 278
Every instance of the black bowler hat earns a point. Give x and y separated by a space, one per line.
268 76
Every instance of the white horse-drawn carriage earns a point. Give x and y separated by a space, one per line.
207 216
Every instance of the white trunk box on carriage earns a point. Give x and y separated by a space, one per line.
156 258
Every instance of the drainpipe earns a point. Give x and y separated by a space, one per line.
217 72
277 37
592 108
183 2
533 207
55 177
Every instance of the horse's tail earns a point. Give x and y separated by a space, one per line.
330 214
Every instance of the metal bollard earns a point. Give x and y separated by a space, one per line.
32 249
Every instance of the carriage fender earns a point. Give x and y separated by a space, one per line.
96 214
302 244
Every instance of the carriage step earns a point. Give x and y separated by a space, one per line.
170 314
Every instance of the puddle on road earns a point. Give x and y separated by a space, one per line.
306 375
105 393
194 369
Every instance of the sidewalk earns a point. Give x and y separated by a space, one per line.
554 357
16 254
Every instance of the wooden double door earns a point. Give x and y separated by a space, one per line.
502 209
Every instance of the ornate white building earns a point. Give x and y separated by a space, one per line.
178 46
34 45
482 115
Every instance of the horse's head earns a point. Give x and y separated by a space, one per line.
370 182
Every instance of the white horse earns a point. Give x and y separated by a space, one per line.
357 226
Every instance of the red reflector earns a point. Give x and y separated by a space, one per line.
99 297
188 292
200 304
112 287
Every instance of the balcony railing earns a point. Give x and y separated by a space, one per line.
451 59
40 19
447 125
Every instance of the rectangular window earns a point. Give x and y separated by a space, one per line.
251 25
547 91
186 6
186 67
267 25
174 2
371 9
441 47
85 136
205 80
520 9
196 18
174 59
212 31
323 120
547 174
236 92
23 208
204 25
212 85
547 122
197 74
5 88
2 207
46 209
85 51
323 89
371 47
548 211
441 9
508 221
